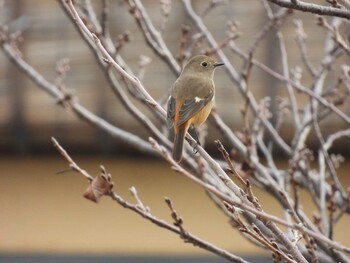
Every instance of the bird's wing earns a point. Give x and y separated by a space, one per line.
171 112
191 107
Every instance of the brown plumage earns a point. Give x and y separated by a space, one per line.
191 99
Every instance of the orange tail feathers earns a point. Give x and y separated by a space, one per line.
179 142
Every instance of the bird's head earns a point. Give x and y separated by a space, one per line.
201 64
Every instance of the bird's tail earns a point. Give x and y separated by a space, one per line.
179 142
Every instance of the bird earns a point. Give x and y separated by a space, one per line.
191 99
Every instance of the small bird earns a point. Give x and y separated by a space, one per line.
191 99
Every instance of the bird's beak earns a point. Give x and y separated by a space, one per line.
217 64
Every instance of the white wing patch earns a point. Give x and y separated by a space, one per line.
198 99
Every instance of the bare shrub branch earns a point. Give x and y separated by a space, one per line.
305 104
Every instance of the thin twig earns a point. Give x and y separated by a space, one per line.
78 109
144 211
312 8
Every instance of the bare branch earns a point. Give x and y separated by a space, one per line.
312 8
305 104
78 109
144 211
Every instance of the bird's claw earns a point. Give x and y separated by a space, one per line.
194 150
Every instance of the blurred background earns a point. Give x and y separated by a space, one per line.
43 214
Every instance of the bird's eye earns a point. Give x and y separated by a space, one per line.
204 64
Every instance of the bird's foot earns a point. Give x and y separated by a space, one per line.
192 131
194 149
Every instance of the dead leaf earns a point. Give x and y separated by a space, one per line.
100 186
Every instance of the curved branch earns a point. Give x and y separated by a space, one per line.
313 8
107 70
140 209
79 110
